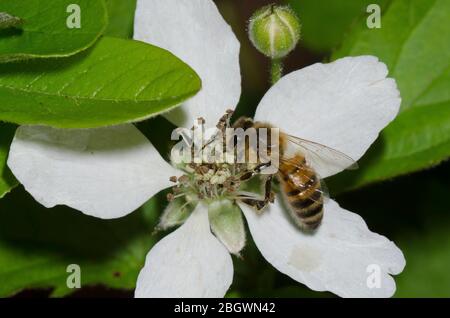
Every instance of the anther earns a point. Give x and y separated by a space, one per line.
204 169
173 179
183 179
176 190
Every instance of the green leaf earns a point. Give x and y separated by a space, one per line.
45 31
412 43
37 245
325 22
114 82
9 21
121 18
7 180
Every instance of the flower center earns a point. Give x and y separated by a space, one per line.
209 181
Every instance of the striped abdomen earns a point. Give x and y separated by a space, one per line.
303 192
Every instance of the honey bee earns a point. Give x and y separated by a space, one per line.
302 188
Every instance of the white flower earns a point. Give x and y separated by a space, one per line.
109 172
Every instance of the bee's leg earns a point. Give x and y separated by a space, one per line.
248 175
269 195
258 204
261 166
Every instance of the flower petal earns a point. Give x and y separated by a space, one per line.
195 31
106 172
343 105
189 262
339 257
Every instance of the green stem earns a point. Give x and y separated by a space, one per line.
276 70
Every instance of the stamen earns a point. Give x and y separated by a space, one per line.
212 181
183 179
173 179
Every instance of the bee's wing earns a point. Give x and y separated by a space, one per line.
308 175
320 157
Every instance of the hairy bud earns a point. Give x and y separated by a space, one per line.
274 31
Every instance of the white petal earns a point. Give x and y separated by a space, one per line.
194 31
106 172
343 105
189 262
336 258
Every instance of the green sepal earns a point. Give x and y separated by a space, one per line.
176 212
227 224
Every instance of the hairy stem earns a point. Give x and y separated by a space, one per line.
276 71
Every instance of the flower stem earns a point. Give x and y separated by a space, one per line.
276 71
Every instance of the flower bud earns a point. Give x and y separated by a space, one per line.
274 30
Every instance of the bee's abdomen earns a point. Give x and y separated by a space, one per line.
304 196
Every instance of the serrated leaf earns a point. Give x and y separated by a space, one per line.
9 21
7 180
45 31
121 18
115 81
412 43
37 245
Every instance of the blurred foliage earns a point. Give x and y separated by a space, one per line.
121 18
410 42
37 245
412 211
7 180
325 22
